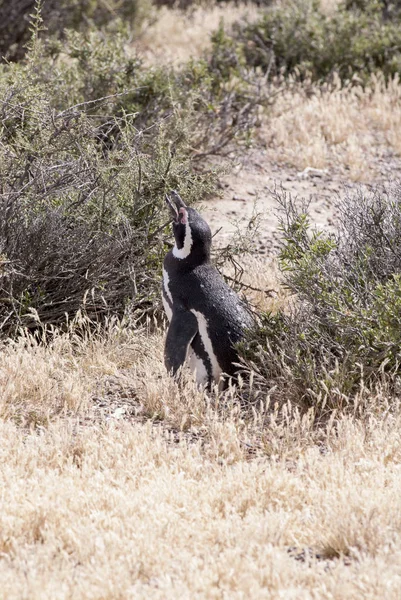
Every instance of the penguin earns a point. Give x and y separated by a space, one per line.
206 317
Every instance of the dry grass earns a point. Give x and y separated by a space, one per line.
261 280
263 275
354 128
199 503
176 36
118 509
58 374
329 6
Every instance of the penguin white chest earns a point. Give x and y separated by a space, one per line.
207 343
197 366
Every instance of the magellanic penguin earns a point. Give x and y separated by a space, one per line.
206 316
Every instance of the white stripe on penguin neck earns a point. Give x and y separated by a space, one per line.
185 251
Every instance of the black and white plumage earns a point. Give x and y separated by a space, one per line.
206 316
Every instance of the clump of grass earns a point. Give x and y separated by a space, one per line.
335 124
343 333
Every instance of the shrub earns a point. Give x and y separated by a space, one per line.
81 225
59 15
82 221
344 329
91 140
297 37
390 8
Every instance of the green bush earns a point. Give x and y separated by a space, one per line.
390 8
345 326
60 15
91 141
94 65
83 223
297 37
82 218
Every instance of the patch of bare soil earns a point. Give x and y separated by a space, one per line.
249 189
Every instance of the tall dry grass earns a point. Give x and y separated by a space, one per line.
124 508
175 36
117 482
350 127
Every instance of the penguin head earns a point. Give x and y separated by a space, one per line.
192 234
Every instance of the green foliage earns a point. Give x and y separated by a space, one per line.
227 60
390 9
345 327
299 38
91 141
82 218
61 15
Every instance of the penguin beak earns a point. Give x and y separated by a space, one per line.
175 202
172 208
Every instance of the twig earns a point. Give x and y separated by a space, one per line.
251 287
96 100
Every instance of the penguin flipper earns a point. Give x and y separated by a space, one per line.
182 330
